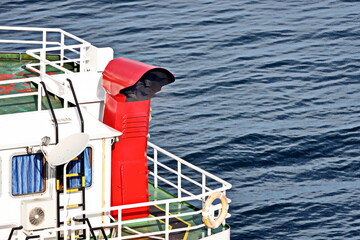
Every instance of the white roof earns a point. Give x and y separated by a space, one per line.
87 86
27 129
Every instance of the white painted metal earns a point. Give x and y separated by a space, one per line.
67 149
31 127
41 53
225 234
97 212
19 95
39 124
47 205
190 197
10 206
99 57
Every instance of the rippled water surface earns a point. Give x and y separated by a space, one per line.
267 97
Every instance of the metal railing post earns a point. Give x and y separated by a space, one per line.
203 184
155 168
62 44
39 99
82 59
43 56
72 234
120 224
52 112
179 178
167 224
209 231
76 104
13 230
66 93
42 70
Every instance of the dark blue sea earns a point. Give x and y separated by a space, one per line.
267 97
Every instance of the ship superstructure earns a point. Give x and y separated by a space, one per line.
75 158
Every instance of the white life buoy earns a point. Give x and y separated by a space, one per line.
206 216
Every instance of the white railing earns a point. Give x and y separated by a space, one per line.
48 46
181 178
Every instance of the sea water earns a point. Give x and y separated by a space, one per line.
267 97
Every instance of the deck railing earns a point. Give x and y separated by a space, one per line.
53 41
183 195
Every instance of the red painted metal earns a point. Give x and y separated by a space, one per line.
4 76
121 73
131 117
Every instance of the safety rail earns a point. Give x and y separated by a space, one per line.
76 104
53 41
180 176
14 81
13 230
52 112
206 191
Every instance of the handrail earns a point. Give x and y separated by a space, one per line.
206 191
59 30
57 44
189 164
102 231
13 230
15 95
52 112
89 224
77 104
29 28
28 42
32 236
10 81
166 217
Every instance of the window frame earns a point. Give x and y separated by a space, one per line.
91 169
44 174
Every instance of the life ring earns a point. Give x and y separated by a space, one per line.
207 216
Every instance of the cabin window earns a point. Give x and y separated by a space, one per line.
28 174
75 167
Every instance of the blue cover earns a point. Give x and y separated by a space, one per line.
75 167
27 174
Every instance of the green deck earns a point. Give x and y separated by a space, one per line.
13 66
152 226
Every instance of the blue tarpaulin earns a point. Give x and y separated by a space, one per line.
27 174
75 167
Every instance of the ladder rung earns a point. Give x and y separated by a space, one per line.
76 236
68 222
62 223
73 175
72 206
72 189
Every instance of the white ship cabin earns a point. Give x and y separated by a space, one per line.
30 183
75 161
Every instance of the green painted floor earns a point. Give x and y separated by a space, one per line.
13 66
158 211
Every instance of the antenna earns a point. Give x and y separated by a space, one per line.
69 148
